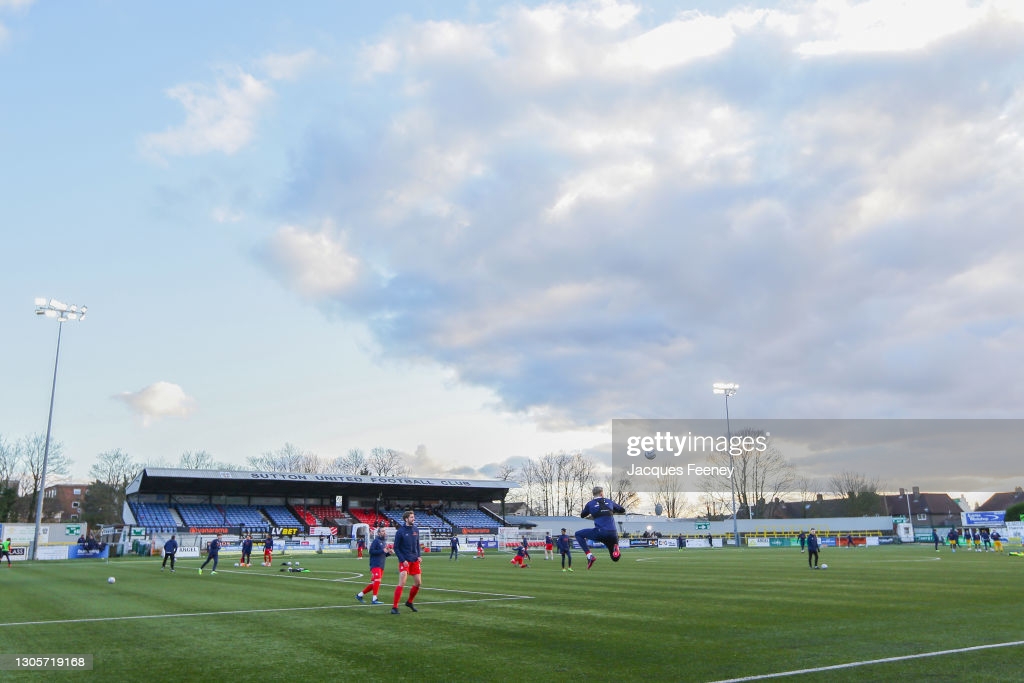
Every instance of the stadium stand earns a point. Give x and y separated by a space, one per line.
424 520
307 515
368 516
471 519
156 517
248 516
281 516
201 514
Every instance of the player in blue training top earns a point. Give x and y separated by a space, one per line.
407 549
378 555
548 546
170 550
565 549
212 553
246 551
268 551
454 554
600 509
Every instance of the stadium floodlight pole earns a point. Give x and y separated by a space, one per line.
728 389
51 308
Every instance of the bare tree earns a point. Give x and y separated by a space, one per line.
859 492
386 462
31 451
761 474
288 458
195 460
353 462
557 483
622 492
9 482
116 470
8 462
668 491
505 473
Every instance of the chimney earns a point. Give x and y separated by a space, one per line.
820 498
917 492
903 492
1018 492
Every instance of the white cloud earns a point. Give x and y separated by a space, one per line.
675 43
846 26
593 243
158 400
221 118
287 67
315 263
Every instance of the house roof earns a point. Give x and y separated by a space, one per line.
1002 501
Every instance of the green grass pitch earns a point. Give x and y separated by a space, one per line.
658 615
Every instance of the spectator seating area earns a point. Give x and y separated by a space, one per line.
470 519
201 515
368 516
306 515
154 516
281 516
424 520
316 515
248 516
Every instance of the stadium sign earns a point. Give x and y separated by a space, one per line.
73 530
983 518
702 526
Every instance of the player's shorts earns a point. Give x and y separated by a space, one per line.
548 547
376 573
413 568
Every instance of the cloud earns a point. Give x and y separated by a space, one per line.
314 263
287 67
596 222
158 400
218 118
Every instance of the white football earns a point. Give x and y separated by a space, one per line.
824 566
236 564
111 580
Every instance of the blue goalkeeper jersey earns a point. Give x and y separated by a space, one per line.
601 511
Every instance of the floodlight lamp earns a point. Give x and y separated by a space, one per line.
58 305
50 313
40 301
725 388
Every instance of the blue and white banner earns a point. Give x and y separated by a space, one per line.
983 518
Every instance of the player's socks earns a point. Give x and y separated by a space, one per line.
398 596
412 593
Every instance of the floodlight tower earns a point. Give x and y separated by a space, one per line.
728 389
51 308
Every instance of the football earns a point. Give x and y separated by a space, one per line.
236 564
824 566
111 580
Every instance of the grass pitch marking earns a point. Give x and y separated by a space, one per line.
866 662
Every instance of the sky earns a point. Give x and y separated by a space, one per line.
478 232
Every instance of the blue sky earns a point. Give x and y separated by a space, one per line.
476 232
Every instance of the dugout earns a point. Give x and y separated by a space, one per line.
168 487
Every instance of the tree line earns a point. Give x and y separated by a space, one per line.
555 484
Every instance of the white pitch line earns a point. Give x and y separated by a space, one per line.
866 662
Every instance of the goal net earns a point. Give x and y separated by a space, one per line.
510 538
425 537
